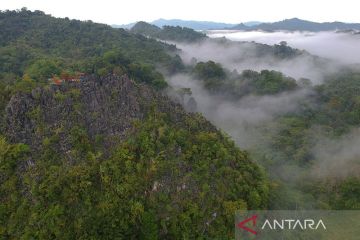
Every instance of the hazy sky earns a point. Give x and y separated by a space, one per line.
231 11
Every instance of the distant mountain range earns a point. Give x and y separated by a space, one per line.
296 24
293 24
196 25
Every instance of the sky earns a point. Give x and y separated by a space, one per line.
228 11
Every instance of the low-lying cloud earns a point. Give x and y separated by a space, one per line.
342 47
246 55
241 119
338 158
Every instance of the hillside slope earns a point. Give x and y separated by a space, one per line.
40 46
169 33
109 158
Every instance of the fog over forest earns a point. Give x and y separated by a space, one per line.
243 119
340 46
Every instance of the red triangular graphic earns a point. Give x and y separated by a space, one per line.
242 224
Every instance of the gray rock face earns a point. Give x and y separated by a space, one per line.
105 107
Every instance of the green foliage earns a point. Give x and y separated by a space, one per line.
146 29
211 73
287 142
209 70
42 46
146 73
166 180
348 195
272 82
175 65
293 139
339 194
177 34
149 228
283 51
340 100
331 112
11 157
218 80
43 69
181 34
26 84
35 46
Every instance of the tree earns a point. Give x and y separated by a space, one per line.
149 227
43 69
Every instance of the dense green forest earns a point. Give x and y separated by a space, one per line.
166 176
169 33
218 80
36 45
109 156
330 111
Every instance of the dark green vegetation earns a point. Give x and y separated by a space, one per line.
221 81
108 157
38 46
333 111
276 52
170 33
35 47
287 144
92 167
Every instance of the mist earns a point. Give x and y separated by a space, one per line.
338 158
245 56
342 47
243 118
251 120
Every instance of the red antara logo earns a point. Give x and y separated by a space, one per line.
251 219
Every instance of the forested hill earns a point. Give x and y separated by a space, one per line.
70 45
108 158
35 46
91 149
74 38
318 140
170 33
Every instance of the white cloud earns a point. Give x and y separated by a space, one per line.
242 118
244 56
338 158
344 47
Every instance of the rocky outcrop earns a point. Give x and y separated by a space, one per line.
105 107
